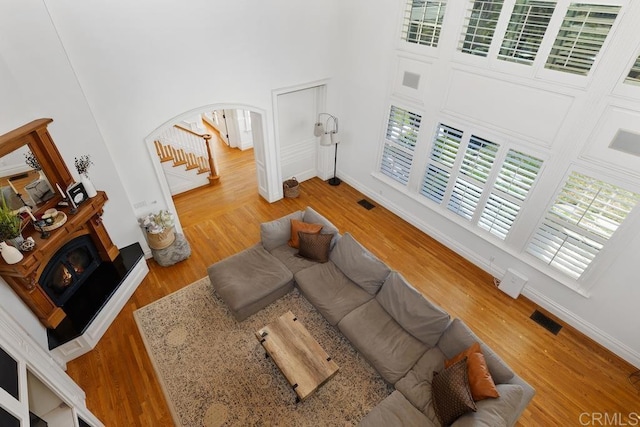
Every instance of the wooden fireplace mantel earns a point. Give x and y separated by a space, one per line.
23 276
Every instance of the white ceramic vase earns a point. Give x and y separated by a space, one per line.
10 254
88 185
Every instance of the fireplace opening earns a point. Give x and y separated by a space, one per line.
69 268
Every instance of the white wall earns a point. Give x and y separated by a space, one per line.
569 124
142 63
36 80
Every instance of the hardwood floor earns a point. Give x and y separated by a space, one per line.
572 374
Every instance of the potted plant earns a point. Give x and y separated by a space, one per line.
82 164
159 228
10 230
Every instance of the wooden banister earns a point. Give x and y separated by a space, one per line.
213 173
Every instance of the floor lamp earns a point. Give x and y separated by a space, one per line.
329 136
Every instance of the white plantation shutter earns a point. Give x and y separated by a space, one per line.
441 160
582 34
634 74
400 143
423 22
477 162
584 216
480 26
527 26
515 179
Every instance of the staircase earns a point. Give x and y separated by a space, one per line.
189 153
168 153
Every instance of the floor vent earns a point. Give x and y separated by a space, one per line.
366 204
546 322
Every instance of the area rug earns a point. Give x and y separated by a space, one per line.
214 371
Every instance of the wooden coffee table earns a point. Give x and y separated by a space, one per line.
302 361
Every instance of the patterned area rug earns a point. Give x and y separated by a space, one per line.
214 371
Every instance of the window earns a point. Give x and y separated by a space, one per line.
526 29
400 143
423 22
480 26
443 155
634 75
476 165
583 217
515 179
582 34
459 176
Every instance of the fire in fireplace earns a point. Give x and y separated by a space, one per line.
69 268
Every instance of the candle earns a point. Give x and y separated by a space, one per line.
33 218
61 192
12 187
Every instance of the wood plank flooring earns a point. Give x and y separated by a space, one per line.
572 374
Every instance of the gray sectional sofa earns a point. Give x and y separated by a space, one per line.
404 336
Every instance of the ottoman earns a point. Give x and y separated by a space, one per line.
178 251
250 280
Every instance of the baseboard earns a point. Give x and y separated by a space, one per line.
583 326
587 328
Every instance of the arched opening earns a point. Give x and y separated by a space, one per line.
267 169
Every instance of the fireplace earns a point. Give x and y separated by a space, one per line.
69 268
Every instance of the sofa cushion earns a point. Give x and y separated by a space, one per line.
314 246
381 340
313 217
417 315
330 291
289 257
358 264
458 337
278 232
396 410
451 393
301 226
416 385
494 412
480 381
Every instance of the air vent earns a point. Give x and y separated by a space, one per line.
546 322
411 80
627 142
366 204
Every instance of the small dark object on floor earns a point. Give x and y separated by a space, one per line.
366 204
634 379
546 322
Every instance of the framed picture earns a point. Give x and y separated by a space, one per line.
77 194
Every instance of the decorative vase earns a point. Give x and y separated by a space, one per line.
88 185
10 254
16 241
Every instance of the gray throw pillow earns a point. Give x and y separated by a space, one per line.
277 232
459 337
358 264
314 247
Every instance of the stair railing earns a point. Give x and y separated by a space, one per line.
191 145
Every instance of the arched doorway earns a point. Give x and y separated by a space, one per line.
264 148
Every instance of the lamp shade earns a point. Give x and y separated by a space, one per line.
318 130
326 139
335 139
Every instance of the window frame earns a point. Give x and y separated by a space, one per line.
437 27
488 188
389 143
605 257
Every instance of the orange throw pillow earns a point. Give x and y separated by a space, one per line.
304 227
480 381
